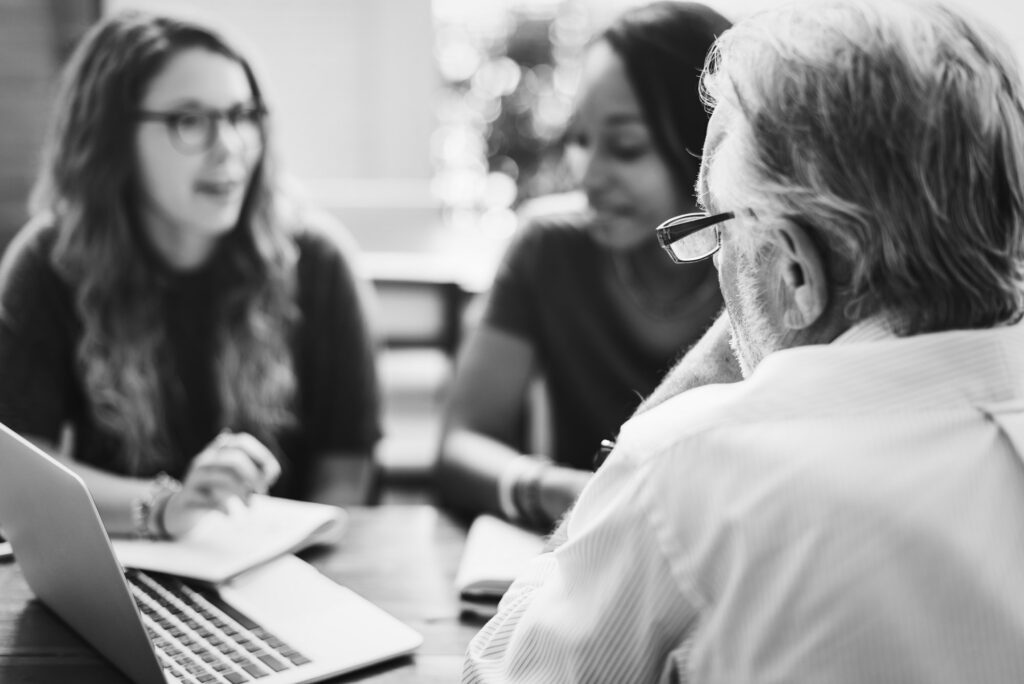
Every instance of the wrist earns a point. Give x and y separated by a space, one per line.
526 495
513 472
149 508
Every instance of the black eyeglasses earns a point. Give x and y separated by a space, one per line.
194 130
694 237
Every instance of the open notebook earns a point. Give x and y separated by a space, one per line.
496 552
222 546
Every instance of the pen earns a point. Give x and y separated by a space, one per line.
602 452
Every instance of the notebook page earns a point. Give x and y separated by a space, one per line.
222 546
496 552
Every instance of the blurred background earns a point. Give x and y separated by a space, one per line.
421 124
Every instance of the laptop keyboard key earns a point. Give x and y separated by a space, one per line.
202 639
272 662
255 670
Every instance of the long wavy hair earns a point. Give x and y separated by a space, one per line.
87 182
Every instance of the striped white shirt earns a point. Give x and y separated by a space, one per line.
850 513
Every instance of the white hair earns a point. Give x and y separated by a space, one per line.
895 133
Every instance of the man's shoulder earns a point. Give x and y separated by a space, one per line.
719 430
686 416
827 406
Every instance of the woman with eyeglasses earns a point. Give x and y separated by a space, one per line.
585 297
171 325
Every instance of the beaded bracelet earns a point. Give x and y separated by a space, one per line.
148 509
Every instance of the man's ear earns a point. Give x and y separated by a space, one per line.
801 268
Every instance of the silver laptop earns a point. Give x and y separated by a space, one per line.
281 622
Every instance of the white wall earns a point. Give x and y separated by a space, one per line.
358 72
351 85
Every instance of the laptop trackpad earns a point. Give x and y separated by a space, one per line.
315 615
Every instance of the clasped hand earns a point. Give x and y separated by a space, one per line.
559 488
233 467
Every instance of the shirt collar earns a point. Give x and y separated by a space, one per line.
870 329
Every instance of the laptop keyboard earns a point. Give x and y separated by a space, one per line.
202 640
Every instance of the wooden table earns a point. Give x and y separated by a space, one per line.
403 558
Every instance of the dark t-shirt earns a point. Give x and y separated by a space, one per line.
552 291
41 387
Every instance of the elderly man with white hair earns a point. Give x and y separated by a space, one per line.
852 510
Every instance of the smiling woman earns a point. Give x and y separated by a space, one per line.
167 306
584 297
194 170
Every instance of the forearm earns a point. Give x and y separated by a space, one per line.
470 465
344 479
481 474
114 496
709 361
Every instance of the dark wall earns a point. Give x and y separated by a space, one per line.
35 38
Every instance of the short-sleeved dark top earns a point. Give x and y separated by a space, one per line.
552 291
41 388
